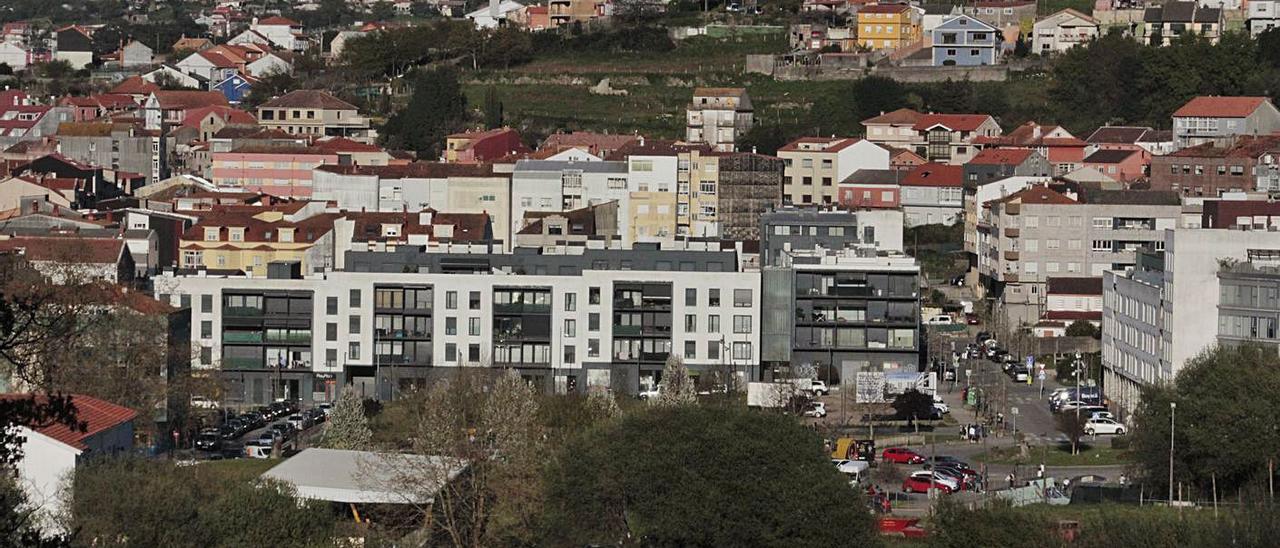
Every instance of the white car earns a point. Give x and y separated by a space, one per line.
940 320
650 392
201 402
1103 426
941 408
816 409
819 388
940 478
1020 375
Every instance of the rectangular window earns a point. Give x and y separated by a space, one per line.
571 328
206 329
690 323
353 351
331 331
474 300
713 323
354 298
690 350
593 348
450 352
570 354
331 306
593 295
742 351
742 298
473 327
206 303
593 321
713 350
353 325
473 353
451 300
570 302
713 297
742 324
450 326
691 297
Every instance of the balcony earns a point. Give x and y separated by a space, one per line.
241 337
1012 232
242 311
1010 255
623 330
1012 208
243 363
522 308
1010 278
291 338
391 334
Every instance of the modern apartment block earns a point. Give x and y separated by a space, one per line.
315 113
404 317
791 228
1038 233
1190 285
842 312
815 166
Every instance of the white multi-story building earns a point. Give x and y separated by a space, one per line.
719 117
549 185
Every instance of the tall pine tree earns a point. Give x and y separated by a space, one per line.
492 109
436 109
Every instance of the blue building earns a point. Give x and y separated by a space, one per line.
964 41
235 88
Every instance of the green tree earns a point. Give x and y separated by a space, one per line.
954 526
436 109
1225 420
912 405
383 11
348 427
677 386
265 514
1083 328
701 476
492 108
763 139
1072 426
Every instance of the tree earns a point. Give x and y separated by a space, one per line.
603 405
674 476
676 387
912 405
998 524
1083 328
493 426
18 521
763 139
348 427
1225 423
383 11
266 514
1072 426
436 109
492 108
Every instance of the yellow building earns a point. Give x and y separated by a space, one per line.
250 238
652 216
888 26
696 194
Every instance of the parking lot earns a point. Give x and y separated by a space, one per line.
259 433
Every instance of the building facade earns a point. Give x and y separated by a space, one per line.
719 117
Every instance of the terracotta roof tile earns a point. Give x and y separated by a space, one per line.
954 122
901 116
935 174
93 414
1220 107
308 98
1001 156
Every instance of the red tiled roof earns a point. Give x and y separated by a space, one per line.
305 231
1001 156
901 116
596 143
70 249
1072 315
1058 285
189 99
228 114
884 8
954 122
1037 194
1220 107
135 85
833 144
343 144
415 170
1246 146
94 414
277 20
308 98
719 92
935 174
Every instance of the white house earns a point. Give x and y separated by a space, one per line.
283 33
51 453
173 74
270 63
1062 31
249 36
136 54
494 14
14 55
209 65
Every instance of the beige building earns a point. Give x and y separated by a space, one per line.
719 117
815 166
315 113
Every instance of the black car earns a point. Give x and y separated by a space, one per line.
284 429
944 459
208 442
982 337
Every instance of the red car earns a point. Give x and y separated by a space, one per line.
901 455
922 482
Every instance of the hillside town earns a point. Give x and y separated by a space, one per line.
616 272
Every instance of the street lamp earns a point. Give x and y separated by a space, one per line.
1173 409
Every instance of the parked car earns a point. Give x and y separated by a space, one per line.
816 409
819 388
923 481
208 442
327 408
982 337
942 319
971 319
268 437
1103 426
944 459
201 402
1020 374
284 428
297 421
901 455
317 416
257 451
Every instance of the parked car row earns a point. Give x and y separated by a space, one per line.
942 472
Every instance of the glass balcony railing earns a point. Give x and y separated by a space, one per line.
241 311
522 308
241 337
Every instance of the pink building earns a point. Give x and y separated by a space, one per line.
871 189
1121 165
278 171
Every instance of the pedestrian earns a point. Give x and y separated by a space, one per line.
1010 479
1040 471
1123 480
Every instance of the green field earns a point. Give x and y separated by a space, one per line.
1096 453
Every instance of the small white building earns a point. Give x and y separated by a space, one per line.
50 453
15 55
1062 31
494 14
273 62
136 54
1264 15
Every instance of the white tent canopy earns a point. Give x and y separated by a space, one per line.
337 475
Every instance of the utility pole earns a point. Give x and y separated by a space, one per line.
1173 409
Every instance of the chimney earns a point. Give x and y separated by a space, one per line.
424 217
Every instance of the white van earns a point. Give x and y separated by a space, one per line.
855 470
940 320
